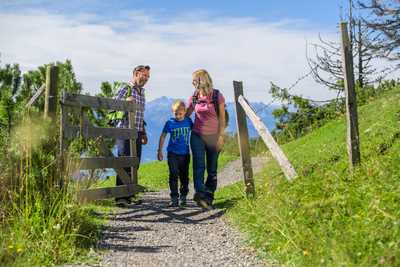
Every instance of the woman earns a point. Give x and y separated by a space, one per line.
207 135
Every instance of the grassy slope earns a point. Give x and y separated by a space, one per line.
329 217
154 175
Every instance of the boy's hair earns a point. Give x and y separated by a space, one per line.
177 104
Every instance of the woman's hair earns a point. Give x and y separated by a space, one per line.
203 80
178 104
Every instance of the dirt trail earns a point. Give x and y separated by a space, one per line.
152 234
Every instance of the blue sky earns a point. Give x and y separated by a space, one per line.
255 41
319 13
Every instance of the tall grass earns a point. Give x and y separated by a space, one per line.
330 216
41 224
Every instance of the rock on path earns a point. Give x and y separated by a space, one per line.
152 234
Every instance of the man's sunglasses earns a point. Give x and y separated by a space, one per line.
141 68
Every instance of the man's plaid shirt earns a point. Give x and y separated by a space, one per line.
139 100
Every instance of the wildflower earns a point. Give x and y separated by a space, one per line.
10 247
306 253
19 250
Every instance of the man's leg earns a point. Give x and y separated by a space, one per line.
123 149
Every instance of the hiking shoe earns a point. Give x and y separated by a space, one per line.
122 202
174 203
201 202
183 203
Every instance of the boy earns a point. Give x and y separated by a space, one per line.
179 129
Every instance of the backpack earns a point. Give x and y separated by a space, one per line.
214 100
115 116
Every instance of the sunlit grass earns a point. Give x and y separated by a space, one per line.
329 216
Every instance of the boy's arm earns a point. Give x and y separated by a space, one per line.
160 146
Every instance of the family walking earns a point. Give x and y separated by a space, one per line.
204 138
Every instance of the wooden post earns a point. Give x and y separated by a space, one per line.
133 152
353 142
243 139
50 104
263 131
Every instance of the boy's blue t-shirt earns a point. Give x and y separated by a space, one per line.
179 135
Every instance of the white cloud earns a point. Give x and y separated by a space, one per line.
230 48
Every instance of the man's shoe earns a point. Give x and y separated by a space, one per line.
122 202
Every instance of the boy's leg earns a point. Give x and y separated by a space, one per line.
184 176
173 166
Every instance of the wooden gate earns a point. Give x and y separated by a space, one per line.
77 104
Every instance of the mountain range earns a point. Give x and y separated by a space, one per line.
158 111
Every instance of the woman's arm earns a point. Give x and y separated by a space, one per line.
189 111
221 123
160 146
221 119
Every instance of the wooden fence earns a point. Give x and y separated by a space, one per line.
77 104
243 108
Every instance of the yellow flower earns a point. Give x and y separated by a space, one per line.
19 250
10 247
306 253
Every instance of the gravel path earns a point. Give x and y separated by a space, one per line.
152 234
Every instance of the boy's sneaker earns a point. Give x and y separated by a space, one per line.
174 203
183 202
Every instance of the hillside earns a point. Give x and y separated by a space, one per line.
328 216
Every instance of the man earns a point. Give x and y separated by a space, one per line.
134 88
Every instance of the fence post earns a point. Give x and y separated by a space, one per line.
266 136
353 142
243 140
50 103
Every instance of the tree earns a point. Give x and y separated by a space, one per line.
384 19
326 65
10 81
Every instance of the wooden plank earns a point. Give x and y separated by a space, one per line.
98 102
50 103
263 131
38 93
89 131
63 127
92 132
107 162
353 140
133 152
108 192
243 140
126 179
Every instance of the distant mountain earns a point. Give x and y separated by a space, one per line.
159 111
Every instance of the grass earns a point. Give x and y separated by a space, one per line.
40 224
154 175
329 216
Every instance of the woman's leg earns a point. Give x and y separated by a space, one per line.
198 150
212 166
